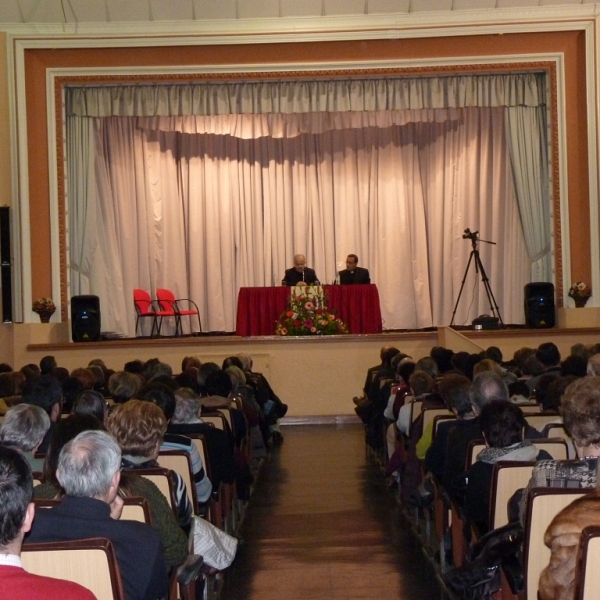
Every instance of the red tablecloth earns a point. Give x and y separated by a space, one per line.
356 305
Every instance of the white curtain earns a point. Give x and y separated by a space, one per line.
526 128
207 214
209 197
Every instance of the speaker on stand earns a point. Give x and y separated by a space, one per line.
85 318
540 312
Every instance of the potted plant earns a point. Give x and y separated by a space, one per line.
580 293
45 308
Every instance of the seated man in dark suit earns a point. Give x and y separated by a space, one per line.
89 470
353 274
300 274
16 515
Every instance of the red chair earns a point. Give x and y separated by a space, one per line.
169 304
145 308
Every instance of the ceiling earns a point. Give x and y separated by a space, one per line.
140 11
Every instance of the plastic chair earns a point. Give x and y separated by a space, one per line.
145 308
170 304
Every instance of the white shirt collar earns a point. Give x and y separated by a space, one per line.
10 560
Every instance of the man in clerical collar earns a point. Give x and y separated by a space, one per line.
353 274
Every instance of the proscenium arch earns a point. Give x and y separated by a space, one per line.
61 76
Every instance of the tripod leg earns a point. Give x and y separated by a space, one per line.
488 289
462 285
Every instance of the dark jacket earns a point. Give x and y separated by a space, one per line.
359 275
293 277
138 546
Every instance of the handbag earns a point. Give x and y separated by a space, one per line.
479 577
216 547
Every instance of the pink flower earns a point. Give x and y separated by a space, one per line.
309 306
313 329
308 323
284 331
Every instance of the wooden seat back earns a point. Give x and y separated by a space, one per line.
429 414
542 506
587 574
540 420
507 478
439 419
556 447
179 461
91 563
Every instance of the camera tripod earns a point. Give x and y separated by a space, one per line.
475 258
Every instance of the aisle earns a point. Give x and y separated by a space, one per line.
321 526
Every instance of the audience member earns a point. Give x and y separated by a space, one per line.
47 365
24 428
164 398
163 520
90 402
89 470
502 428
45 392
123 386
580 410
17 513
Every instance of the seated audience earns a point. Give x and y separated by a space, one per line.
454 388
502 428
187 420
90 402
89 471
580 410
45 392
17 513
164 398
24 428
163 520
123 386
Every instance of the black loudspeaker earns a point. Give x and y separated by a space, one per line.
85 318
539 305
5 264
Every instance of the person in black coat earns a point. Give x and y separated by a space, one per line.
300 274
353 274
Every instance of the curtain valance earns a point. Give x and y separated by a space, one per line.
251 127
290 97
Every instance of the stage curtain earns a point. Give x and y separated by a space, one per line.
206 213
529 159
308 96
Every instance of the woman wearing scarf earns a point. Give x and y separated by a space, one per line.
502 427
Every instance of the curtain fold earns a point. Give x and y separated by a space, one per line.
207 214
526 129
310 96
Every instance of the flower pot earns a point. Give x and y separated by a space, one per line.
45 315
580 301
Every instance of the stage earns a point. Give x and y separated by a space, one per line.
316 376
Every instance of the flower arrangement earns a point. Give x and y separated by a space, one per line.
579 290
307 315
43 305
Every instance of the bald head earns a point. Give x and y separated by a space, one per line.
593 366
299 262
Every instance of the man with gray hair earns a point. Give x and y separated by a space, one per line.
23 428
89 472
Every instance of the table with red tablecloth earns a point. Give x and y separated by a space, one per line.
356 305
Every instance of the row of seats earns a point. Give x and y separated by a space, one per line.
165 305
543 505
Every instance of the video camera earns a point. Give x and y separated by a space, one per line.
471 235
